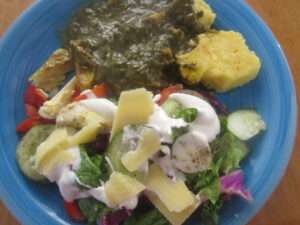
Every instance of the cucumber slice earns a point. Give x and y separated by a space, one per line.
245 124
115 152
172 107
27 149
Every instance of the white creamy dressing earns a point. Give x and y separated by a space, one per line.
191 152
163 124
207 121
74 113
65 177
206 126
102 106
89 94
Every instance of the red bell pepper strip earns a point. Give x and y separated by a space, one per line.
34 96
31 110
73 211
27 124
168 91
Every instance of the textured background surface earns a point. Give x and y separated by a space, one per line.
282 17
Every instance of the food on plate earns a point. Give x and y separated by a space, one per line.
137 52
123 137
51 108
53 72
221 61
178 154
27 149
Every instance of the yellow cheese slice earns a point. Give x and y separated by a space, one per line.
120 188
56 142
175 196
135 107
175 218
148 145
87 134
61 158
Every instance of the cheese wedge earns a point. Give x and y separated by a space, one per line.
120 188
56 142
86 134
135 107
175 196
175 218
147 146
62 158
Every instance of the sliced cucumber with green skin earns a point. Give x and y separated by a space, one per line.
245 124
27 149
115 152
172 107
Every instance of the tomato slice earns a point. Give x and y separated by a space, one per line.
101 90
27 124
73 211
168 91
34 96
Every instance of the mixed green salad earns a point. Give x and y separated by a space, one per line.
126 143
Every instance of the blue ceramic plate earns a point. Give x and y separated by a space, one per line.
35 35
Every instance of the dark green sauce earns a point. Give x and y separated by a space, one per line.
133 43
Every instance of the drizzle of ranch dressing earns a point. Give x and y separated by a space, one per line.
163 124
207 121
102 106
67 181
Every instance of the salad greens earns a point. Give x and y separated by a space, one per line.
187 114
229 151
179 131
206 183
210 212
92 169
172 107
92 209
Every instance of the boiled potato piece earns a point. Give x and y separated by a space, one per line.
52 73
221 60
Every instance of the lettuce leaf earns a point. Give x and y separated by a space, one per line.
228 151
206 183
92 209
210 212
92 170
